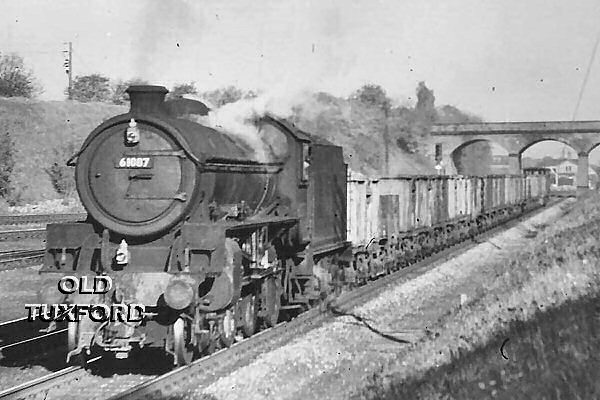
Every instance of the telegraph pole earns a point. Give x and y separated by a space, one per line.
68 65
386 139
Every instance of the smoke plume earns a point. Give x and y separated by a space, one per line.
237 120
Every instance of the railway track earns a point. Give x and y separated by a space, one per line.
12 259
39 347
205 370
25 219
21 330
21 234
33 219
40 387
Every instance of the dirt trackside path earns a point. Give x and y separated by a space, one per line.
340 359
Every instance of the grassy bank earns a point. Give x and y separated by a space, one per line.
42 133
559 266
552 356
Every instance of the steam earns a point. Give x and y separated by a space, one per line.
237 119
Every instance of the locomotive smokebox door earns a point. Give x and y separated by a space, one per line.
148 184
135 172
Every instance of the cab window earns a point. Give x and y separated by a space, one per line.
305 161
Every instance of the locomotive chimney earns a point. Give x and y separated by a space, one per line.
146 99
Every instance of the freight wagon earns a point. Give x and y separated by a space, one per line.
410 217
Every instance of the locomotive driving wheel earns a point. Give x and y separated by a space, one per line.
271 301
249 315
227 328
183 347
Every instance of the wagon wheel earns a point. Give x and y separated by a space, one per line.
249 316
227 328
271 302
183 347
73 342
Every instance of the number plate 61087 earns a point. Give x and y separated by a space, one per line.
134 162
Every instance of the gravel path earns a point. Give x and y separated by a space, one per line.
25 244
337 360
17 288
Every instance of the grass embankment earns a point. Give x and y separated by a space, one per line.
44 132
461 358
554 355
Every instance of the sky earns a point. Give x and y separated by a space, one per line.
503 60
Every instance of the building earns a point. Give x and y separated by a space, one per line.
565 172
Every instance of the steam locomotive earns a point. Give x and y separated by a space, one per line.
216 241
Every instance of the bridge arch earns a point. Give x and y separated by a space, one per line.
592 147
465 165
569 143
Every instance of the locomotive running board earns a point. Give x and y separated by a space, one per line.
325 248
249 224
238 166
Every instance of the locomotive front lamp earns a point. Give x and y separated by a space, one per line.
122 256
132 136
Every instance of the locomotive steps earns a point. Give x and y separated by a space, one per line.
272 347
23 227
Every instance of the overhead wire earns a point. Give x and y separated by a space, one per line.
586 77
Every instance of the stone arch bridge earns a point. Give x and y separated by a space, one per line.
515 138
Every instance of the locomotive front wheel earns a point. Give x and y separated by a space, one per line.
72 335
183 349
72 343
249 314
227 328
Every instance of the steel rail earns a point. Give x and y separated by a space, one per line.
23 219
40 387
20 258
40 347
20 329
20 234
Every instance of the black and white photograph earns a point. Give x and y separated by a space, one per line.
299 199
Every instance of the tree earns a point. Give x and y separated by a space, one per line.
62 176
15 79
230 94
183 88
93 87
372 95
119 96
250 94
425 107
414 124
451 115
404 130
7 163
